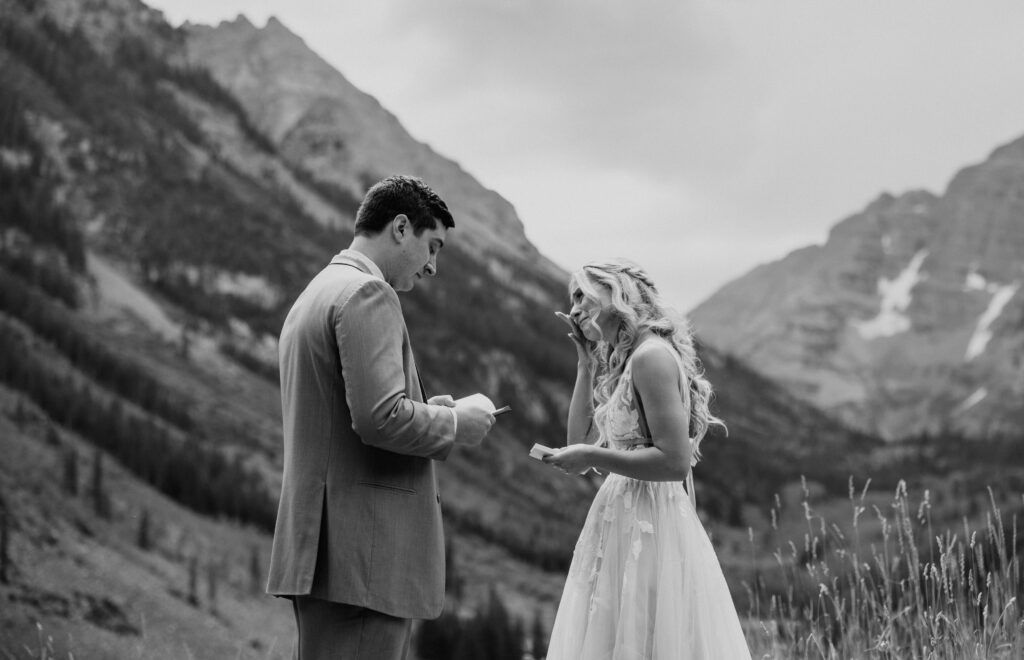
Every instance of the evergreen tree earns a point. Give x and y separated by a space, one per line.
193 581
538 637
212 583
20 414
145 539
100 497
454 582
255 571
5 543
71 471
437 638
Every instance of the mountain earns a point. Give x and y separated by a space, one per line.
907 320
343 137
157 218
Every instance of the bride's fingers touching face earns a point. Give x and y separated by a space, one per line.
585 314
575 333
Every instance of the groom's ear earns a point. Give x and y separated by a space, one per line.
401 227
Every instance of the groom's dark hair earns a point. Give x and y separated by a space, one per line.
398 195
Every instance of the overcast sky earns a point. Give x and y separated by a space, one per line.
697 137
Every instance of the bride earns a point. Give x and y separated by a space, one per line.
644 581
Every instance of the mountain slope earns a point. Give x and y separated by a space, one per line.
908 318
154 233
343 136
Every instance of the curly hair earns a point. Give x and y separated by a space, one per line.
638 306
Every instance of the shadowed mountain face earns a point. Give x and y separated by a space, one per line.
908 319
165 196
343 136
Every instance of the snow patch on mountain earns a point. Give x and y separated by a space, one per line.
975 281
982 332
887 243
972 400
896 298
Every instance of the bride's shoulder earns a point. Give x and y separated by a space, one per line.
654 347
654 356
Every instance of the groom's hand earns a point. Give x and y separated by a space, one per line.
474 423
445 400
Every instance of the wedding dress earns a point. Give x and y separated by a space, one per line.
644 583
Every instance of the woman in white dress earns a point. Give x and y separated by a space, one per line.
644 583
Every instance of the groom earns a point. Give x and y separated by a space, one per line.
359 546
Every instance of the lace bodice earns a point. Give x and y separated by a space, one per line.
618 424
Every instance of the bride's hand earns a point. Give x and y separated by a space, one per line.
583 344
574 459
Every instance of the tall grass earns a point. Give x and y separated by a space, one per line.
894 585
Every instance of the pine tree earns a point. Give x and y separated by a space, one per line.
212 582
438 639
5 543
255 571
193 581
71 471
539 637
20 414
100 497
145 538
454 582
185 343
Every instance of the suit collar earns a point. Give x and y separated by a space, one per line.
359 260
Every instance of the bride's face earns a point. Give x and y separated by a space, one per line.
593 314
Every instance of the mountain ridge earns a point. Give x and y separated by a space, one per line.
906 320
326 125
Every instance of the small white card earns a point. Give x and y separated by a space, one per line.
539 451
480 399
484 402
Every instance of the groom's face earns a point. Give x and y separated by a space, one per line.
417 255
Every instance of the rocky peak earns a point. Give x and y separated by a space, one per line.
908 310
343 136
981 220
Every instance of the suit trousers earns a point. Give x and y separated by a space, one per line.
336 631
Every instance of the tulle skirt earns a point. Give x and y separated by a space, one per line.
645 583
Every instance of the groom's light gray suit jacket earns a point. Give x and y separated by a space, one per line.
359 520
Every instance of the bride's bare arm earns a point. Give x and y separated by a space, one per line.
657 379
581 407
580 425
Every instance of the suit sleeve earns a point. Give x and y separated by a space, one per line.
369 328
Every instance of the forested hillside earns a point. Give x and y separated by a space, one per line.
152 238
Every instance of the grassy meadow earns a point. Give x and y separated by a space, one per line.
882 575
892 576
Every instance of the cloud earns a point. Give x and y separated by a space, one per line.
722 133
610 82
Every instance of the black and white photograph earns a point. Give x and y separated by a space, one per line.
493 330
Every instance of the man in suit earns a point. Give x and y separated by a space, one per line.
359 546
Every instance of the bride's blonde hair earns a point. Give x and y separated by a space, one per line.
637 305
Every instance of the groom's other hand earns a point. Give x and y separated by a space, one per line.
445 400
474 421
